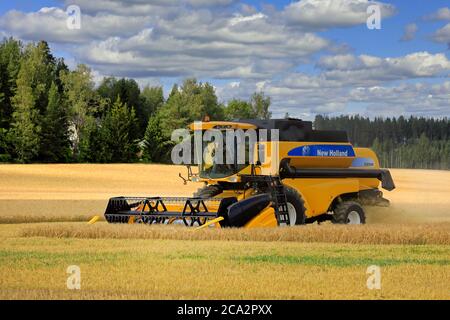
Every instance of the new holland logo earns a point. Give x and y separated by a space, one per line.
305 151
323 150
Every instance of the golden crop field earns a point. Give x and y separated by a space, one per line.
43 230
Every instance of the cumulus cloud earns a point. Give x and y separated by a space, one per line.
144 7
304 101
324 14
51 24
175 41
371 82
410 32
204 45
369 69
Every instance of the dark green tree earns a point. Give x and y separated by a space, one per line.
260 105
83 104
10 56
152 100
156 144
239 109
25 131
129 93
117 131
31 92
55 144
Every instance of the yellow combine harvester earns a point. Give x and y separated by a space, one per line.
299 175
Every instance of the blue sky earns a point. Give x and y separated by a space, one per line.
308 56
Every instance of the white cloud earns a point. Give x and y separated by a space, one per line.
240 18
410 32
144 7
443 35
323 14
175 40
373 83
441 14
51 24
364 69
395 99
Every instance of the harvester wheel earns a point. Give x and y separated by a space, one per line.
208 191
349 212
296 206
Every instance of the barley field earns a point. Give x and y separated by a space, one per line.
43 230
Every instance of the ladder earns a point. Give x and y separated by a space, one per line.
276 190
279 200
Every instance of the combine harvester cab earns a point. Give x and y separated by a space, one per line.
300 176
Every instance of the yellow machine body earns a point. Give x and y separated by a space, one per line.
317 193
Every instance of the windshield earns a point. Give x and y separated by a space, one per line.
215 164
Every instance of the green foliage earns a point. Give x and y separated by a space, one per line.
157 146
10 56
256 108
239 109
24 133
260 105
31 92
37 71
5 156
398 142
153 100
55 144
90 142
191 102
128 91
117 132
83 104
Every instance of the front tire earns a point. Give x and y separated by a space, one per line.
296 206
349 212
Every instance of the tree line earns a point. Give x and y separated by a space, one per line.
413 142
51 114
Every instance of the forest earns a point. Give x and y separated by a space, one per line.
51 114
399 142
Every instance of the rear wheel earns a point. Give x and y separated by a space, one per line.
296 206
349 212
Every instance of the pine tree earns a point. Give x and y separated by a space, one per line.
153 99
117 132
10 55
157 146
55 145
25 131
